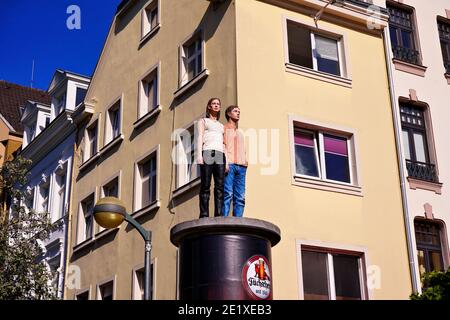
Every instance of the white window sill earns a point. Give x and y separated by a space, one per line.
149 34
112 143
327 186
415 184
104 233
90 241
60 221
188 85
151 207
409 67
185 188
88 162
318 75
147 117
83 245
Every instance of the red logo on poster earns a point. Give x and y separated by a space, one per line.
257 279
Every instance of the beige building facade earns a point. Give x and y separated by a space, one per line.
320 132
420 60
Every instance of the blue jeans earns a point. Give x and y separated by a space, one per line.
234 189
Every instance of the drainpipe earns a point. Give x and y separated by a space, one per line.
69 219
395 112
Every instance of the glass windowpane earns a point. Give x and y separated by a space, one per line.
315 275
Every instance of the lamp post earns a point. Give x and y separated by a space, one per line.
110 213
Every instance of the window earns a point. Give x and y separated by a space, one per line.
29 200
111 189
429 248
138 283
54 266
416 143
84 296
191 59
315 51
332 276
113 122
403 34
60 104
44 192
444 36
150 18
31 132
86 219
47 121
106 291
80 95
187 167
322 155
146 182
91 141
148 93
60 193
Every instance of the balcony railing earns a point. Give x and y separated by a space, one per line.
406 54
422 171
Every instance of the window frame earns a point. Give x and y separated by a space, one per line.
83 291
318 135
181 156
313 36
30 132
333 248
143 98
54 266
146 28
60 103
138 208
82 237
117 176
109 128
105 282
135 288
412 129
413 29
446 45
345 77
110 180
88 142
430 146
356 185
30 194
182 71
427 248
79 87
59 202
46 184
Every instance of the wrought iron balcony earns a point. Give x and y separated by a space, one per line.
422 171
406 54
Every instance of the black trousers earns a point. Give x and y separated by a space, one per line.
213 166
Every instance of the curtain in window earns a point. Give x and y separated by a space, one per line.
336 158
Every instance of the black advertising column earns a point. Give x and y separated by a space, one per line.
225 258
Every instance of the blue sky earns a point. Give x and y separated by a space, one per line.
37 29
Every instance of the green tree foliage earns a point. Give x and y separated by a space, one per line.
436 286
23 273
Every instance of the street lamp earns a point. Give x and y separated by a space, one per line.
110 213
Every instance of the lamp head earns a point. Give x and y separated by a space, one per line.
109 212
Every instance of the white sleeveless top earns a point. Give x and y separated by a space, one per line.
213 136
